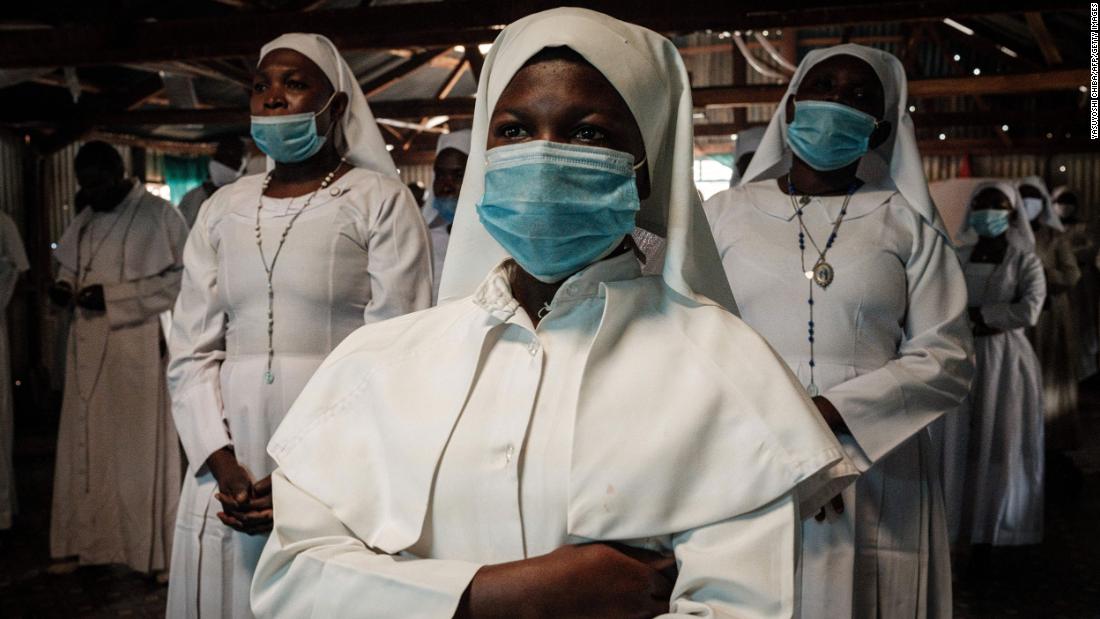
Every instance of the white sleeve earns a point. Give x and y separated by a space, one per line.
134 302
314 566
931 374
197 347
399 263
740 568
1031 293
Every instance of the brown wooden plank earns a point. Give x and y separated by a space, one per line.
445 24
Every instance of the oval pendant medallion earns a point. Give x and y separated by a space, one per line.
823 274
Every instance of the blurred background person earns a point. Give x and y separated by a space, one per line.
117 476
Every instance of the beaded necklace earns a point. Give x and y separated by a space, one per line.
822 272
269 377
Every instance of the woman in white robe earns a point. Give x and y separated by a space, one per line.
117 471
891 346
355 251
999 466
638 409
13 262
451 154
1054 337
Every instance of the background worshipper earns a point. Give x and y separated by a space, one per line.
451 152
13 262
279 269
995 475
574 399
226 166
1055 336
837 256
1085 296
117 476
747 143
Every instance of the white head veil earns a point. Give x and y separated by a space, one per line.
895 162
358 138
953 197
646 69
1047 217
747 142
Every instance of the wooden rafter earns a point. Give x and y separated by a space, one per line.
1046 42
473 57
986 47
390 77
447 24
716 96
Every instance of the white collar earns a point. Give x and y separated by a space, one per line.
494 295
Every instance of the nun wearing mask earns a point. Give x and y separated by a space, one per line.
996 473
279 268
1054 337
838 257
591 429
451 153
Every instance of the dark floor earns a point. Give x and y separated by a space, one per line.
1058 579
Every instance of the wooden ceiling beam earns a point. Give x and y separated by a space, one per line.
447 23
1046 42
994 119
711 96
390 77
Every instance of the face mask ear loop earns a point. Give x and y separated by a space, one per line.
322 111
638 166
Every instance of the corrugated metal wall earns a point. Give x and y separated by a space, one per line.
421 173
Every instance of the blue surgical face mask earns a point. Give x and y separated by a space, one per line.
289 138
1033 207
446 207
989 222
557 208
829 136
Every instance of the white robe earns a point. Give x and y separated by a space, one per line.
192 201
13 261
530 439
116 481
1001 477
440 236
357 255
892 355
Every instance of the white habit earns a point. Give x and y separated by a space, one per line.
994 452
352 258
116 482
638 410
13 261
357 255
892 352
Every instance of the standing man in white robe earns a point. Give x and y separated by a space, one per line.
116 483
837 256
451 153
279 269
13 262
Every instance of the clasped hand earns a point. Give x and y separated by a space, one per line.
89 297
246 504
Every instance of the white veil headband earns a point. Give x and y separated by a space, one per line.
747 142
358 138
953 197
646 69
895 162
1048 217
